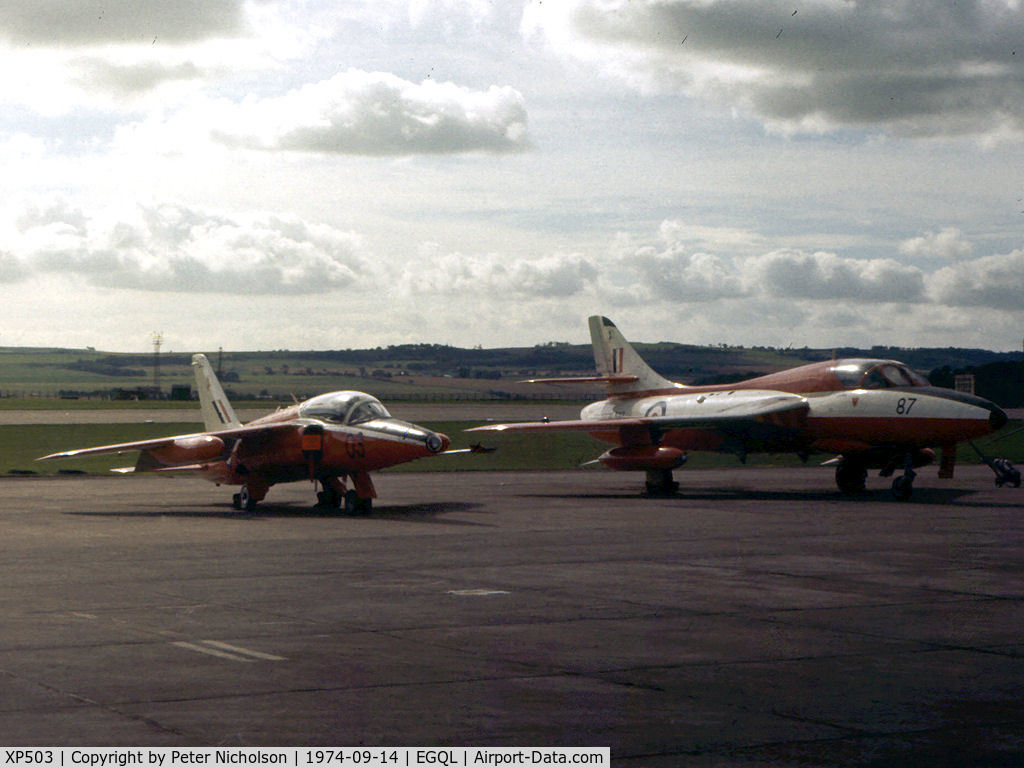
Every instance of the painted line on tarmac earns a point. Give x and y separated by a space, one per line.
244 651
227 651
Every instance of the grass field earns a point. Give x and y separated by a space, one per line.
21 445
27 374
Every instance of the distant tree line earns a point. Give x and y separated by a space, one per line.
998 374
1001 382
108 366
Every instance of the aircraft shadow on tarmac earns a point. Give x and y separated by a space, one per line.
429 512
921 497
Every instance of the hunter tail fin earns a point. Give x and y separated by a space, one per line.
217 411
619 363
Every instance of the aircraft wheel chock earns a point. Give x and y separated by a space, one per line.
902 488
354 505
851 477
328 498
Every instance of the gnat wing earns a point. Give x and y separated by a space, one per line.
179 449
137 445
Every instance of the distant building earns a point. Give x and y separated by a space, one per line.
964 382
181 392
136 393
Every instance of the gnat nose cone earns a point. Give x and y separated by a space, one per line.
437 442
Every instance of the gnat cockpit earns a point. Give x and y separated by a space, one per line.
876 374
348 408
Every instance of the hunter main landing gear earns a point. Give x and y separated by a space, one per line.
660 483
852 473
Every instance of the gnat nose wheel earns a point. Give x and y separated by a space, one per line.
244 500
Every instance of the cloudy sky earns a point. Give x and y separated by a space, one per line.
263 174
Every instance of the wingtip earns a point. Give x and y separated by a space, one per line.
488 428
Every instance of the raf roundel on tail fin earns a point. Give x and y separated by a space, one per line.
616 358
217 411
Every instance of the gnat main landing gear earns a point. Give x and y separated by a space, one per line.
248 497
335 495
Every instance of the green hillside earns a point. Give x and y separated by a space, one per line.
430 371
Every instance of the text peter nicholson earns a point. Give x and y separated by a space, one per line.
306 757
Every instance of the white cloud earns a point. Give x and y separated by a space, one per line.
671 272
180 249
474 13
496 278
172 248
376 113
59 23
12 270
129 55
825 276
946 244
731 239
911 68
673 275
125 80
990 281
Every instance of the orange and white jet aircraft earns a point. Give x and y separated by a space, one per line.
876 414
329 439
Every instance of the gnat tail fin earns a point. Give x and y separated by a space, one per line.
217 411
620 364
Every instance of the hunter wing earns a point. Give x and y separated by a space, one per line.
707 411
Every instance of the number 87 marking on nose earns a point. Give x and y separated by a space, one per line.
904 404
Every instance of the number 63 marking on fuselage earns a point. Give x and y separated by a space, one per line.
355 447
904 404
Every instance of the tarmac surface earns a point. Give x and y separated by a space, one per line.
756 618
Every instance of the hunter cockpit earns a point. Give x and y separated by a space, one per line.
876 374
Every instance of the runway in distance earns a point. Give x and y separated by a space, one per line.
875 414
330 439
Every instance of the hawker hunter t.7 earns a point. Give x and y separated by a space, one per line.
331 439
875 414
